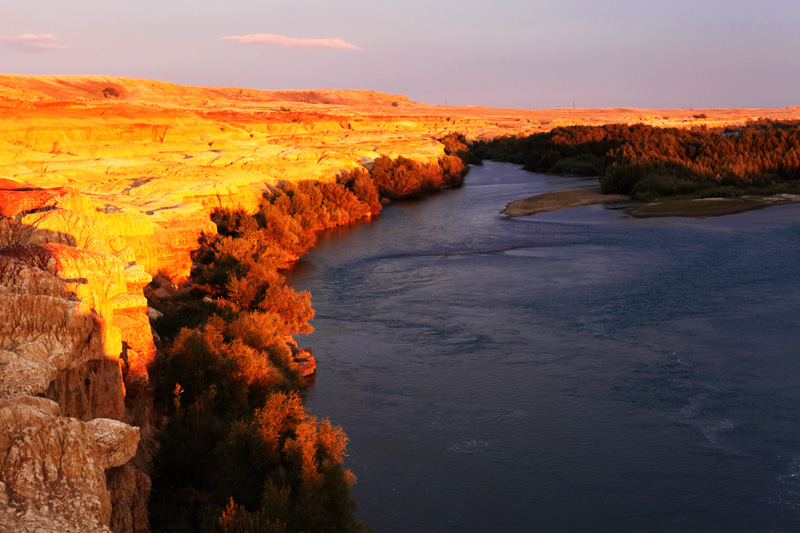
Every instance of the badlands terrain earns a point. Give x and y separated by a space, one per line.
105 185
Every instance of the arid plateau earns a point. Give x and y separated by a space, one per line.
106 184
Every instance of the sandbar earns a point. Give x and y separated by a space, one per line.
554 201
710 207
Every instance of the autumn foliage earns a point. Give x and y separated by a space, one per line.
671 161
239 452
404 178
648 162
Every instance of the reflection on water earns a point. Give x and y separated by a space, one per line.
573 371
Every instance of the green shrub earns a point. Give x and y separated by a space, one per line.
579 165
659 184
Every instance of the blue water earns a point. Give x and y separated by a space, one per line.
579 370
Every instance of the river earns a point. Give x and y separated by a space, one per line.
579 370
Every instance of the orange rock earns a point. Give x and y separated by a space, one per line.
305 363
66 313
108 182
7 184
129 488
153 161
100 281
54 468
14 203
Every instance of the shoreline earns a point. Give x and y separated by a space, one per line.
557 200
569 198
695 209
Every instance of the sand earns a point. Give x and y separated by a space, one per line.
554 201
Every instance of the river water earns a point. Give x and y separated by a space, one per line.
579 370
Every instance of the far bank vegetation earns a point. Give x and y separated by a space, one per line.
647 163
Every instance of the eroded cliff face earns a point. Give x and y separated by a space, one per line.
106 182
156 158
54 467
74 339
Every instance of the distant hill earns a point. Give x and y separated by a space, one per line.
98 88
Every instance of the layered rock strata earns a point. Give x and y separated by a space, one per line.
157 158
74 339
108 182
54 467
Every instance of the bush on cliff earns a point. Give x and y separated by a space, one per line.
406 178
239 452
363 187
216 380
456 144
310 452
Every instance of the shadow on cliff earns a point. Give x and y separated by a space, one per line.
60 303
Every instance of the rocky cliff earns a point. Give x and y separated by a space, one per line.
157 157
75 338
106 182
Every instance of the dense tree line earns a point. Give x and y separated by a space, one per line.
571 150
238 452
649 162
761 157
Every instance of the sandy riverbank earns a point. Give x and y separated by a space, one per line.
554 201
699 208
710 207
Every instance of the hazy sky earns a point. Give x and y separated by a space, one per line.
500 53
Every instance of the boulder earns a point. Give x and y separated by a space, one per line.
54 467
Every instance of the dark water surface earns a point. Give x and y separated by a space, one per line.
573 371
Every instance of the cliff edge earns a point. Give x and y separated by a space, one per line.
108 182
75 343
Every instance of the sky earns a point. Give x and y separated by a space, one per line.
525 54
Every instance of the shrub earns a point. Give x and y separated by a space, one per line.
239 452
361 185
579 165
667 161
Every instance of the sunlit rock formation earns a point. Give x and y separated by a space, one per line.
108 182
75 333
156 157
54 467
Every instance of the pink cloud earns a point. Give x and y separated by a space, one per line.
291 42
32 42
